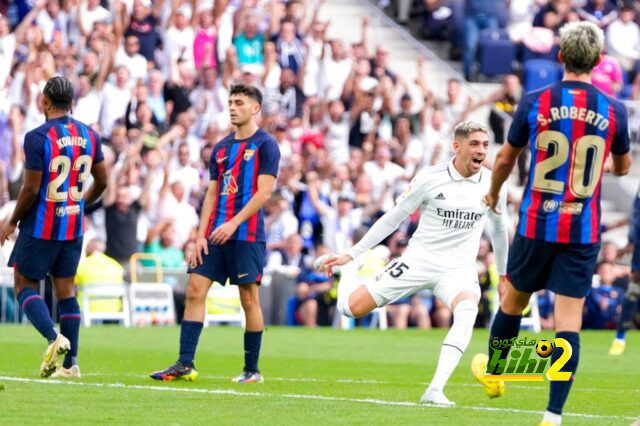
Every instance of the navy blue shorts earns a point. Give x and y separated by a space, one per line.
239 261
35 258
565 269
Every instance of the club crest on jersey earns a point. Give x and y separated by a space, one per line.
550 206
248 154
229 184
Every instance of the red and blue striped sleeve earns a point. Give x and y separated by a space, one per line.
34 151
269 157
620 144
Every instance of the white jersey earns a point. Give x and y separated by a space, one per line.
452 216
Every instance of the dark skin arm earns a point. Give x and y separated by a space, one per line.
99 173
28 196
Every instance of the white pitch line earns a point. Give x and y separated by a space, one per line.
296 396
358 381
361 381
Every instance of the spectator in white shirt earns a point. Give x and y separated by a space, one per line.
336 68
87 106
7 48
178 39
623 39
383 174
184 172
130 57
115 98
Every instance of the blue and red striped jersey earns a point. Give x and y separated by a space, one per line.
235 166
63 149
571 128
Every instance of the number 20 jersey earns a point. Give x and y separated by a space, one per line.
63 149
570 127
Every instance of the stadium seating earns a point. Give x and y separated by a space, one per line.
94 310
223 306
152 304
539 73
496 53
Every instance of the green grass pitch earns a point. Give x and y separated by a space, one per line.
312 376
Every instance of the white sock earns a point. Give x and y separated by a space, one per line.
456 342
348 283
552 417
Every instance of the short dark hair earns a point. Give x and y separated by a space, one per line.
250 91
60 92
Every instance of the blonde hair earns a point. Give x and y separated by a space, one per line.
581 44
465 128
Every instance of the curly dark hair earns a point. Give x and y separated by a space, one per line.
249 91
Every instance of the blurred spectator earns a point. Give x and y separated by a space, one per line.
607 75
599 12
555 14
478 15
280 222
142 24
248 42
604 302
437 21
160 241
123 205
315 300
623 40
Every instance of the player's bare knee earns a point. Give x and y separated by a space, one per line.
462 296
195 293
249 297
361 303
65 287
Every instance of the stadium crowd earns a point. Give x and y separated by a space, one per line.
153 78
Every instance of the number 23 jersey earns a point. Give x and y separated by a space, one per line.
570 127
63 149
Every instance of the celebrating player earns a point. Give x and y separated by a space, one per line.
59 156
441 255
231 233
571 126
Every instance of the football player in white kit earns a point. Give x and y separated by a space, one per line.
441 255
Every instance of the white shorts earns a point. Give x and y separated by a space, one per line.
408 275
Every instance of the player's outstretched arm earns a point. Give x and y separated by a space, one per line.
502 167
28 196
266 183
380 230
99 173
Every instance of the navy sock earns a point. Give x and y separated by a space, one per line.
252 342
559 391
628 308
504 327
36 310
189 336
70 328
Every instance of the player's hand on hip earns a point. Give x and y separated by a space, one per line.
223 233
502 287
195 258
7 229
491 201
